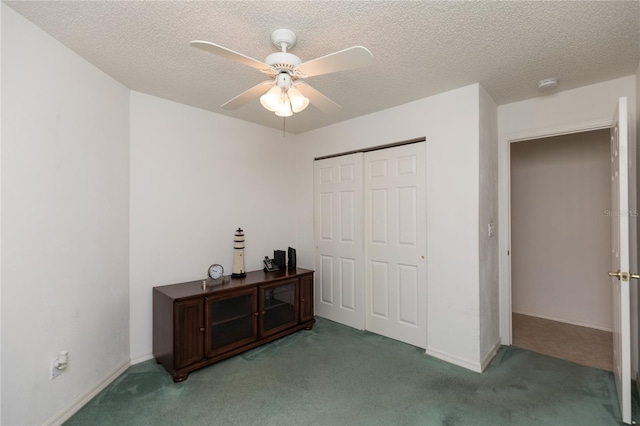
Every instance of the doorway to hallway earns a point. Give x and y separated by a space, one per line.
561 244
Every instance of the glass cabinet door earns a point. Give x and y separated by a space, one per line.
231 322
278 307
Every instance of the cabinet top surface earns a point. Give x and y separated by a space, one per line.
253 278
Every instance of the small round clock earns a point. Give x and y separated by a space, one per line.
216 271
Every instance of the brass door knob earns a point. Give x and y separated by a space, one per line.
624 276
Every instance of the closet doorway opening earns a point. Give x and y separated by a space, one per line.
560 194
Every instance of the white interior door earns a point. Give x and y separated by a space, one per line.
395 243
620 259
339 251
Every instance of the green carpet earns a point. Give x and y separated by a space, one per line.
335 375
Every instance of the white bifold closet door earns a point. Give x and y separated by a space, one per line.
395 243
339 255
370 233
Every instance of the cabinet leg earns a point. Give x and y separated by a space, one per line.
310 326
180 377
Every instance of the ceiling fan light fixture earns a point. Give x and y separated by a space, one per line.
283 99
298 101
284 107
271 99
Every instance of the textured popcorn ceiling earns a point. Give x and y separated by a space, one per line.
419 48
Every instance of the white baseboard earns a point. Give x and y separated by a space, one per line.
578 323
141 359
452 359
464 363
489 356
80 402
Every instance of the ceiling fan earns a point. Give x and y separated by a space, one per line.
284 93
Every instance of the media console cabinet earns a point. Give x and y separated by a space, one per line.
196 325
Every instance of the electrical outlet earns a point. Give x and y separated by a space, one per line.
491 230
54 371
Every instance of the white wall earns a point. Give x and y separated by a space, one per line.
573 110
449 122
488 213
560 233
65 206
196 177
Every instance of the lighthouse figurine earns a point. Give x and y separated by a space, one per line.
238 255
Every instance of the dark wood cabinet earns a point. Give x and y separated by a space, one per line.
194 326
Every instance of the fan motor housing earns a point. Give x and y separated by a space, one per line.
283 61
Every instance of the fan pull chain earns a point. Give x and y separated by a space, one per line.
284 121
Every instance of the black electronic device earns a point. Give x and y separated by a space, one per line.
292 258
279 257
269 265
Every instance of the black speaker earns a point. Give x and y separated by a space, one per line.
279 259
292 258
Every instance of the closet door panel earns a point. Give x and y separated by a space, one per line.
348 286
395 236
379 289
326 280
338 229
408 294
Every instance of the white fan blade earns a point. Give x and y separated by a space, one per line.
317 99
353 57
229 54
248 95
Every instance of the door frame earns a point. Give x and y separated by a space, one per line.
504 208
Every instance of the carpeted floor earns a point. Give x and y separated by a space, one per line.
582 345
335 375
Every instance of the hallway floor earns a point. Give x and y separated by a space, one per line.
582 345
